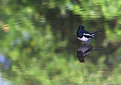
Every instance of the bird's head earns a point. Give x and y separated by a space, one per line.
81 27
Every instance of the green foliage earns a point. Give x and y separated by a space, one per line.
38 36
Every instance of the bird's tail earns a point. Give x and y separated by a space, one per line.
96 32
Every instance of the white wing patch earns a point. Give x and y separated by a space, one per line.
91 35
87 34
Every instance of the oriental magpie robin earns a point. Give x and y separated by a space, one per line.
83 35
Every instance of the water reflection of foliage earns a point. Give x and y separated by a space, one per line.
41 41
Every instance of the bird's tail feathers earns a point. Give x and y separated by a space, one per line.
96 32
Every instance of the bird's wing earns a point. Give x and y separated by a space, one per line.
88 35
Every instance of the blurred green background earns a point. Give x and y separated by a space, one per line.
38 42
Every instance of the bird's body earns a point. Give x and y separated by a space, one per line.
84 39
83 35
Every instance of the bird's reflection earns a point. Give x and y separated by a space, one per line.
82 51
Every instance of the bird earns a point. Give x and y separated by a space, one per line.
85 36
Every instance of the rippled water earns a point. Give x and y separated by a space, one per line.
39 45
